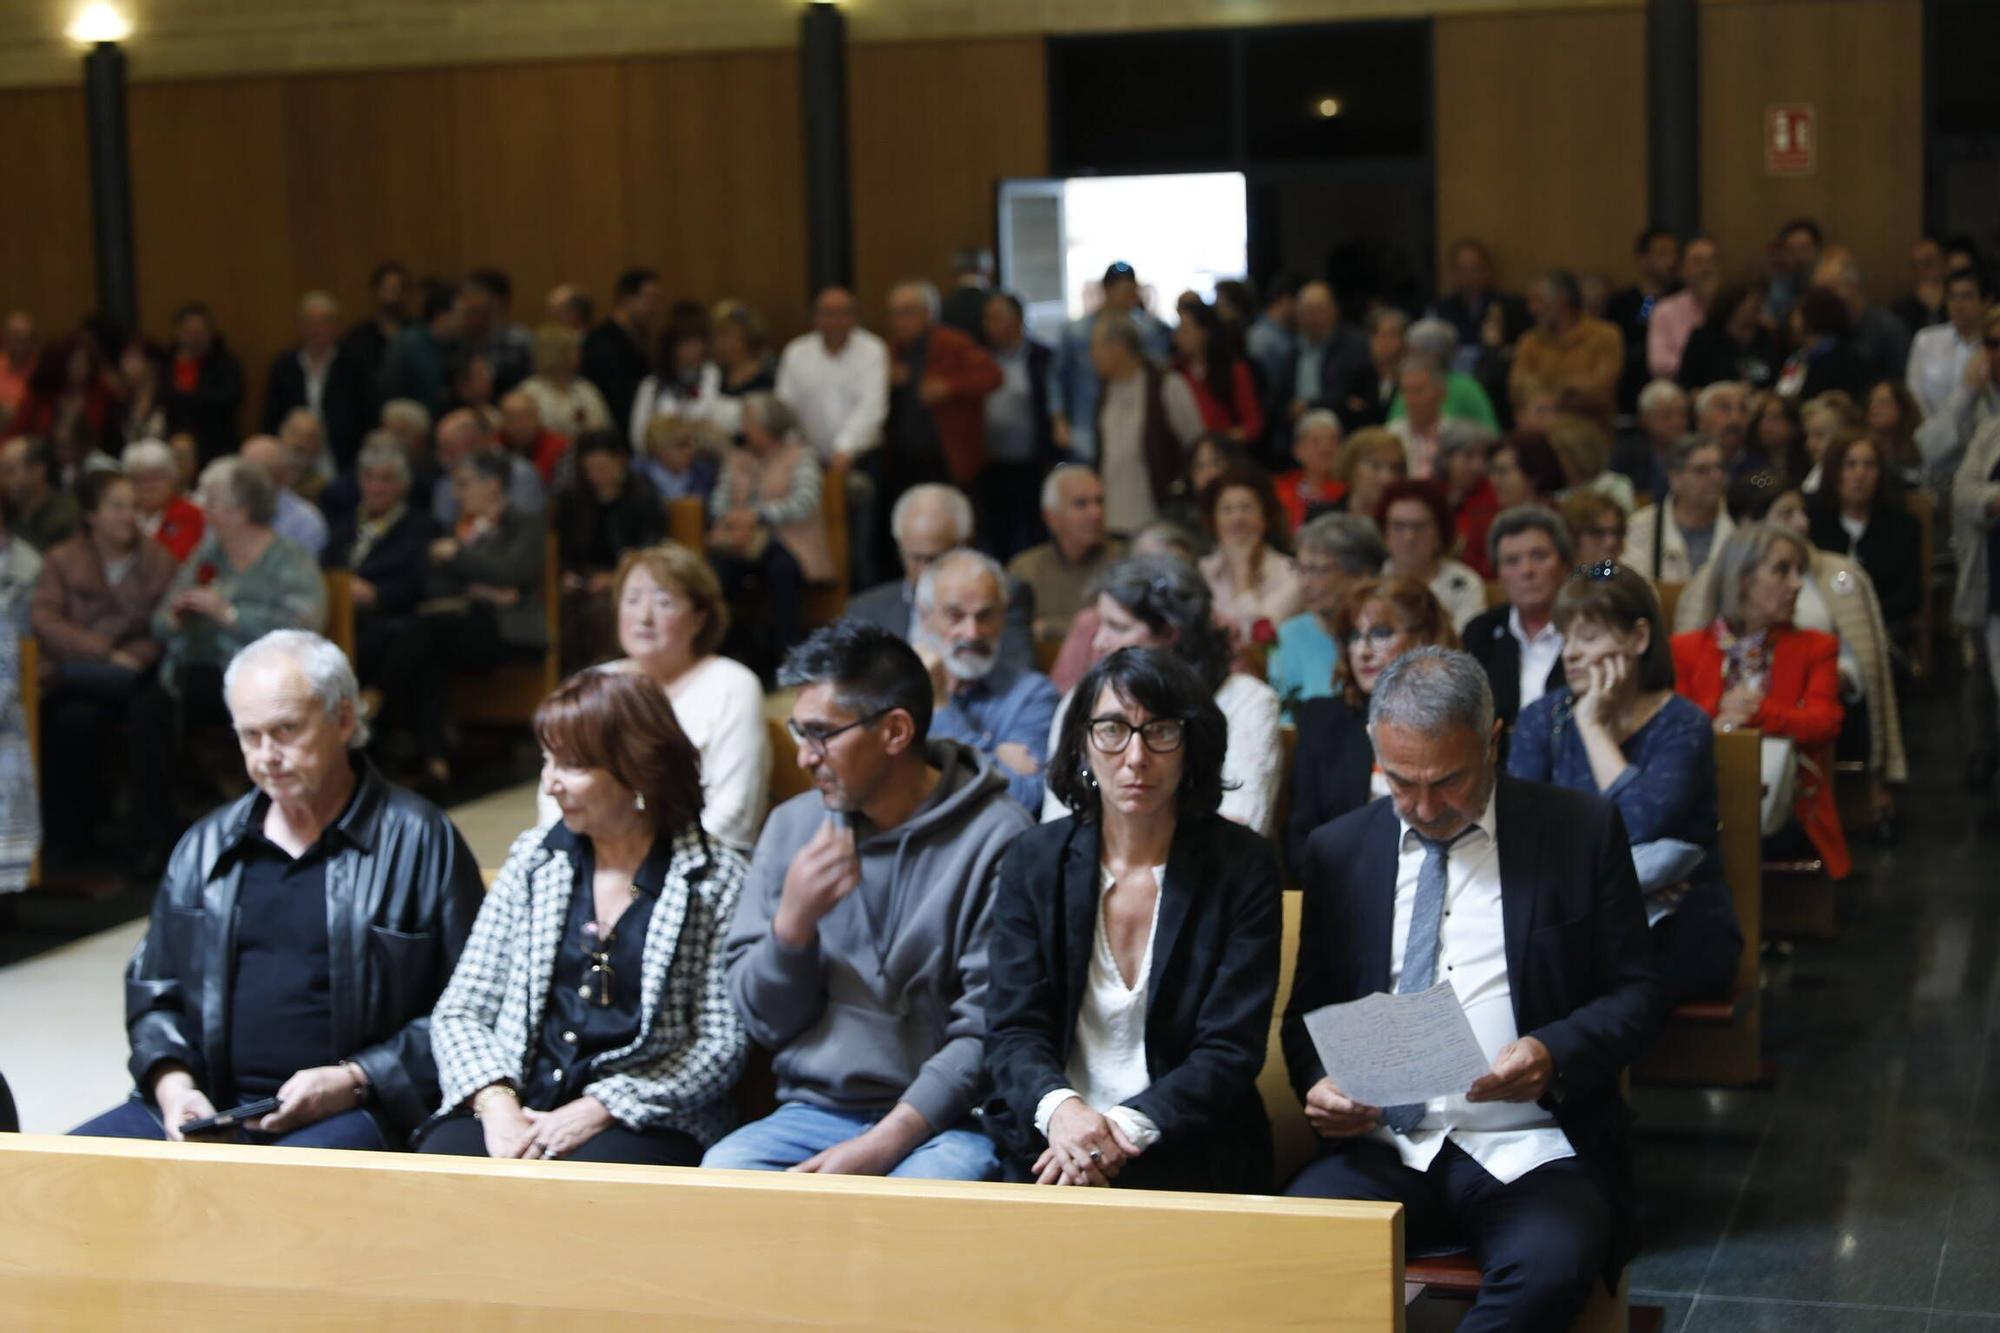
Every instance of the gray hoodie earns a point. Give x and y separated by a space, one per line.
888 1004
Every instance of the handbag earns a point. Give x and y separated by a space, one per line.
1778 758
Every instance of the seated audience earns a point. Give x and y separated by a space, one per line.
1313 488
1335 552
302 932
741 345
1333 765
1569 350
465 434
301 433
1139 1068
1252 581
1860 512
164 514
683 458
1641 455
330 384
1671 539
92 616
1615 728
1732 342
483 607
295 519
1469 492
1464 399
384 545
926 522
1583 447
1596 527
1425 426
38 511
607 510
1834 415
67 402
142 368
977 700
1058 573
568 404
1079 651
1531 1174
1525 470
767 534
1752 667
1160 601
588 1018
1518 641
684 383
1416 527
1722 413
876 1014
671 620
1774 435
204 383
1370 463
1891 417
523 435
1327 351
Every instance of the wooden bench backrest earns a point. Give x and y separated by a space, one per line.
340 612
1670 600
1739 785
1291 1136
687 523
827 602
100 1233
1922 507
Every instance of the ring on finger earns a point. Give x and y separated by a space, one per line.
1096 1155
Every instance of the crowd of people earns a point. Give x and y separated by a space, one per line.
1513 563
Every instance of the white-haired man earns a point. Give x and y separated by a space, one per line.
1004 713
938 382
929 520
1059 571
301 933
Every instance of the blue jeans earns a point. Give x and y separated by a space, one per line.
135 1119
795 1131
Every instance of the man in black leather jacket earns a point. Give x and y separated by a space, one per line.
302 933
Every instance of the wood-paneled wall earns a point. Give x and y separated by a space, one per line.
1541 138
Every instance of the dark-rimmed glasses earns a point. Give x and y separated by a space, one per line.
816 740
1162 735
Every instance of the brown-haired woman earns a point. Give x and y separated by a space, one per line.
1333 770
1370 462
671 619
1250 575
587 1017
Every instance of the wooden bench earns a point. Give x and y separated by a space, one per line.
340 613
1923 643
105 1234
687 523
1670 602
510 694
1720 1044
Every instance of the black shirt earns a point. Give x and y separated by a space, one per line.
615 363
582 1022
281 980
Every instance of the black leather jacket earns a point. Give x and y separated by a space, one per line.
402 890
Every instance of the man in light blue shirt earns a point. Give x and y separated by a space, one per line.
999 711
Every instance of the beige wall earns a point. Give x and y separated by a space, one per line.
189 38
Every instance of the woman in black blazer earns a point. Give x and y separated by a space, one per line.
1859 489
1134 953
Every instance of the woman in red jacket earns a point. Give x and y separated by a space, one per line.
1223 388
1752 668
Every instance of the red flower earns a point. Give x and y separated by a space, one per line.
1264 632
205 574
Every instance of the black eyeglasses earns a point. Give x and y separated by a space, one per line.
1597 573
1163 735
816 740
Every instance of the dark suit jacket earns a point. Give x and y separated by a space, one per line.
209 412
1468 318
1345 351
1579 960
1360 402
885 605
398 564
1331 766
1489 640
1041 370
347 406
1208 998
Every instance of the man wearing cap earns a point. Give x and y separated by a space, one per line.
1074 391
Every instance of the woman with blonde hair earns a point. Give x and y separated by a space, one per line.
569 403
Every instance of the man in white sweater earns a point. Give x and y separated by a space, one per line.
837 379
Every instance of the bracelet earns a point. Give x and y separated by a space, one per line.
484 1098
363 1090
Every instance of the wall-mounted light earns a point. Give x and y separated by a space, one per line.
99 22
1328 107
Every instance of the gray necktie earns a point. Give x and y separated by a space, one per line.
1420 953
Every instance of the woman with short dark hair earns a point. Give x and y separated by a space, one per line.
1134 954
1858 511
588 1017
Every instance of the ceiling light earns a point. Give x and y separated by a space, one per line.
99 22
1328 107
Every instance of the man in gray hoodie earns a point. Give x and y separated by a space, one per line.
858 952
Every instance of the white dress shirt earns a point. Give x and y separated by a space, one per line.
1937 365
1539 653
842 398
1509 1139
1107 1066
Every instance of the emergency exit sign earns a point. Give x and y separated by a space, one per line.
1791 140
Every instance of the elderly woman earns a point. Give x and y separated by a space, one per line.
766 536
1860 513
1616 729
570 404
1315 487
1333 766
1139 1067
607 509
92 614
1753 667
671 620
587 1018
483 608
1252 580
1159 601
1335 551
1416 525
162 512
384 546
1370 463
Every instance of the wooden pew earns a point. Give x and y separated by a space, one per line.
1670 600
510 694
1721 1044
1923 645
340 613
687 523
827 602
105 1234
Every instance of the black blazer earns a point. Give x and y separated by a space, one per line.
1489 640
1890 549
398 564
1208 998
209 412
1579 960
1361 401
1041 370
1331 766
347 406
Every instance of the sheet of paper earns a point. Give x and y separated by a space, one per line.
1390 1050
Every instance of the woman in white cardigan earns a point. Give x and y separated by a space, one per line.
1158 601
671 617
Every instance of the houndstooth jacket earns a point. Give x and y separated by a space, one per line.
679 1072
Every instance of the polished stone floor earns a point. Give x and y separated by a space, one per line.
1862 1190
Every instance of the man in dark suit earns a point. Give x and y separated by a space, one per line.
1471 299
322 377
1371 387
1327 353
928 521
1524 898
1518 642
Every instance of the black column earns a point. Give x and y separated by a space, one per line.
823 99
1673 114
111 183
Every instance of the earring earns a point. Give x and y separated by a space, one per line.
639 801
1088 776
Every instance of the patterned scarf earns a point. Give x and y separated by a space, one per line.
1746 658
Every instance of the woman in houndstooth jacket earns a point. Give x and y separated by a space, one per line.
588 1017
